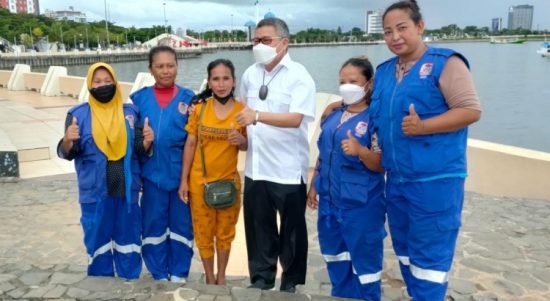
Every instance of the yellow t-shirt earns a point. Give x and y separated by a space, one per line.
220 157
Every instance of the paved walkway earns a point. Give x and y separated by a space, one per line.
503 254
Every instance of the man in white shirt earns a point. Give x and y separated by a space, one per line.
280 101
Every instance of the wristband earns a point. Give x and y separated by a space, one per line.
256 119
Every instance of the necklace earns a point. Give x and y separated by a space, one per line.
263 89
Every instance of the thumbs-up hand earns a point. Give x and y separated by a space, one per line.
148 134
73 131
246 116
412 125
235 137
351 146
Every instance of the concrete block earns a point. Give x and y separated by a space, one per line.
4 78
17 82
34 154
71 85
50 86
9 164
33 80
143 79
84 93
323 99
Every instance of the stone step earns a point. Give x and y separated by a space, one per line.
9 164
33 154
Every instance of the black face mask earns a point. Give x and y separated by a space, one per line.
104 94
223 100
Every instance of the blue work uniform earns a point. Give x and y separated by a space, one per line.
351 210
112 225
167 228
425 174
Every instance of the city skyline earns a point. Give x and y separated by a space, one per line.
300 15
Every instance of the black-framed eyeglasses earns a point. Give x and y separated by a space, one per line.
264 40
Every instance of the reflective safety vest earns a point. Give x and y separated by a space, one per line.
345 179
164 166
418 158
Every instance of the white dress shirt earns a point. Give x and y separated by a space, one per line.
276 154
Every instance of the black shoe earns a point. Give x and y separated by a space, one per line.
262 285
289 289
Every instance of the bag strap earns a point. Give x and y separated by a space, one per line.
203 108
203 165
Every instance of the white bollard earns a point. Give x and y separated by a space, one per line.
17 82
143 79
84 93
50 87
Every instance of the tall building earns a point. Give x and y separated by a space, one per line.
373 22
21 6
496 25
66 15
520 16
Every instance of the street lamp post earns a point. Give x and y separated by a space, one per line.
232 37
165 21
87 44
32 39
107 26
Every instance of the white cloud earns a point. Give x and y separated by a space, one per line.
300 14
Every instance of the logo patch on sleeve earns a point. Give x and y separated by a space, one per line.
130 119
182 108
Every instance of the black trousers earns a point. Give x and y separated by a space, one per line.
264 242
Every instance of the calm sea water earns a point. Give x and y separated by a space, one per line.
512 80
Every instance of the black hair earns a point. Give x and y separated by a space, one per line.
207 92
365 65
409 5
159 49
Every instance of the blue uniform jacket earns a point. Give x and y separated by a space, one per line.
418 158
345 179
163 167
91 163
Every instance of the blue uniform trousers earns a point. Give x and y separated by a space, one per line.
112 233
424 219
351 242
167 232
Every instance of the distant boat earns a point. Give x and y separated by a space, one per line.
544 51
506 40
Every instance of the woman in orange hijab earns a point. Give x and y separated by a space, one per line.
103 139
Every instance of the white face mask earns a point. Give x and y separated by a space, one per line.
351 93
264 54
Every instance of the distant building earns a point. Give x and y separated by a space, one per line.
373 22
520 16
66 15
496 25
173 41
21 6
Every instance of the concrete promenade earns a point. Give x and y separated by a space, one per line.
503 254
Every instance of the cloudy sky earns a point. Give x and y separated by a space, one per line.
300 14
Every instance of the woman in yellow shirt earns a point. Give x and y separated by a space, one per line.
221 139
